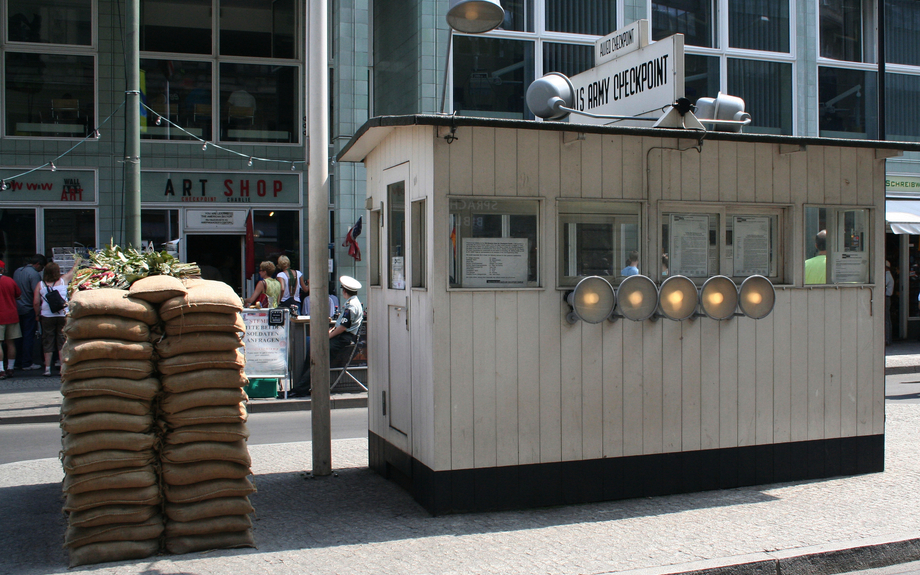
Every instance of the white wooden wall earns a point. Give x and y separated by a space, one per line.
499 377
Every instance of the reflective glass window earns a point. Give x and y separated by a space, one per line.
902 20
69 229
695 19
491 76
759 25
766 88
18 247
258 103
518 15
49 95
701 77
597 239
180 91
160 228
181 26
902 122
51 21
581 16
844 25
258 28
569 59
847 103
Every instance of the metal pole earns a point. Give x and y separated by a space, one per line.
881 69
132 125
317 205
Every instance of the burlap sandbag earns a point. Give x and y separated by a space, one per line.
200 361
106 327
206 415
208 490
198 341
143 389
125 478
78 350
176 402
210 379
237 452
224 432
189 473
219 507
107 459
111 514
192 543
113 551
108 301
156 289
105 404
149 529
210 322
89 422
90 499
79 443
208 526
127 369
204 297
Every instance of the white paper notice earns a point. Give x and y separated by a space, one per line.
852 267
266 346
494 262
752 245
689 245
398 272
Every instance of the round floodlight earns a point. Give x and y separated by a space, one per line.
637 298
678 298
592 300
475 16
719 297
756 297
546 95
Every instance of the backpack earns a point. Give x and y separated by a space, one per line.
56 303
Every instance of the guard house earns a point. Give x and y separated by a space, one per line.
488 392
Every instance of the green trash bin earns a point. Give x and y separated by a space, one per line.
262 388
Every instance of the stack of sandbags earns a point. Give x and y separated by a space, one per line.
204 457
107 417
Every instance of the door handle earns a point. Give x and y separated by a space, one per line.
399 308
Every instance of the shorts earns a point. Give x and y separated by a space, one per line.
10 331
52 333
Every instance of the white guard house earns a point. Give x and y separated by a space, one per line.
484 394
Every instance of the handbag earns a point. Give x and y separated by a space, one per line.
56 303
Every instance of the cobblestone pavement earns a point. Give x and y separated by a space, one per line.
358 523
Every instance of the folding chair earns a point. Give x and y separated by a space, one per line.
349 353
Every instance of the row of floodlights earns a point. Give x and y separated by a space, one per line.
638 298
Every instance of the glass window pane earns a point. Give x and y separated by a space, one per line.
396 223
701 77
159 228
491 76
581 16
70 229
419 244
902 93
766 88
373 248
182 26
902 20
695 19
569 59
597 238
51 21
258 103
759 24
843 23
257 28
49 95
848 103
518 15
180 91
690 244
754 241
16 248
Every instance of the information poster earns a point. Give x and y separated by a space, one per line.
398 272
851 267
752 238
689 245
266 346
494 262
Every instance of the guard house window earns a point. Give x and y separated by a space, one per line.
836 246
180 91
373 247
492 243
419 244
396 223
596 238
49 95
51 21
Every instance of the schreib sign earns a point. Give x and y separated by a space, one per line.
220 188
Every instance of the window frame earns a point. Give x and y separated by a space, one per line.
832 243
418 242
612 211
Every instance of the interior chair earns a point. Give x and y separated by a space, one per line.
65 110
202 113
240 115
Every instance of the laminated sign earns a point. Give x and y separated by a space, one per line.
266 345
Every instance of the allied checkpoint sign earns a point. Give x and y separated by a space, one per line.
632 77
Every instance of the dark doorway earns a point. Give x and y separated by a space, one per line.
220 258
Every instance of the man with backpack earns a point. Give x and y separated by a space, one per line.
9 321
27 277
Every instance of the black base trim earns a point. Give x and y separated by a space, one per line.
570 482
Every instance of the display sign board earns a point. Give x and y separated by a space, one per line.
220 188
71 186
902 184
622 42
266 346
494 262
215 220
851 267
689 241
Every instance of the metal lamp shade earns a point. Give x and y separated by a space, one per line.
678 298
719 298
637 298
756 297
475 16
593 299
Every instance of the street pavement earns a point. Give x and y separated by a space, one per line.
358 523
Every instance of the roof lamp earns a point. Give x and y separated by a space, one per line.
678 298
637 298
592 300
756 297
719 298
475 16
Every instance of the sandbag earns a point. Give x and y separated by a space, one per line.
198 341
210 379
156 289
89 422
79 443
211 322
80 536
204 297
78 350
106 327
90 499
206 415
105 404
109 514
107 459
176 402
236 452
225 432
192 543
109 301
218 507
127 369
113 551
208 526
206 490
126 478
200 361
143 389
189 473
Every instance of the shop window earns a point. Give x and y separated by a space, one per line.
49 95
419 229
759 25
276 233
836 246
847 103
695 19
51 21
491 75
160 230
581 17
493 243
69 229
766 88
597 238
180 91
20 246
182 27
373 247
258 28
258 103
